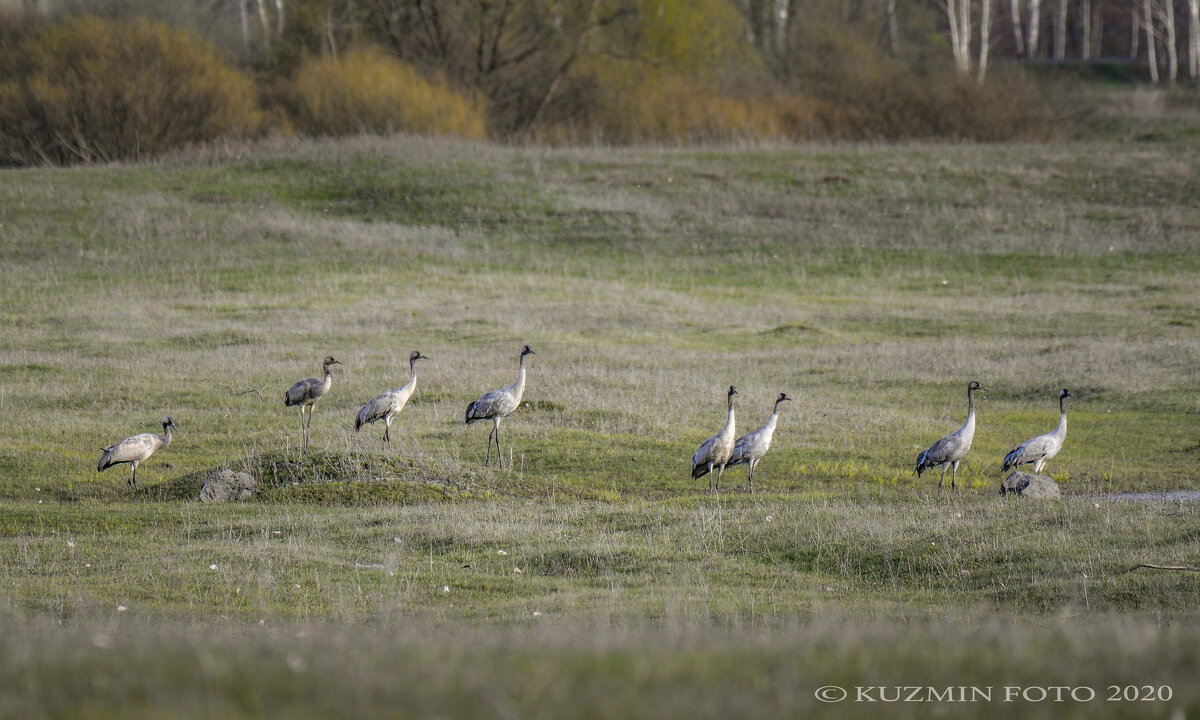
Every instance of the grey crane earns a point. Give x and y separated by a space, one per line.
497 405
1042 448
307 392
751 447
387 405
715 451
951 449
135 450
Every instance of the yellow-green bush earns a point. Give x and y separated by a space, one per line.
366 90
642 104
92 90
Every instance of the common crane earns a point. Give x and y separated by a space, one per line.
951 449
387 405
497 405
307 392
715 451
751 447
1042 448
135 450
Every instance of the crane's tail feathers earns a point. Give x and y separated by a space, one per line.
1010 460
470 411
922 463
699 471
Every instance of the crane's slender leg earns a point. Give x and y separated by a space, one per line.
752 464
133 474
308 427
387 433
720 470
942 479
499 453
954 477
488 461
303 429
710 476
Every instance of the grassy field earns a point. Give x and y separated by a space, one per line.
594 577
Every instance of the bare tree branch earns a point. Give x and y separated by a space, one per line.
1151 566
256 391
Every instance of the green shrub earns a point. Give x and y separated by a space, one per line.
368 91
868 95
91 90
631 104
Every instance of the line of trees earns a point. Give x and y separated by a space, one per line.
608 70
978 30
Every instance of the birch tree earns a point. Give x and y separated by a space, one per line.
244 13
1035 20
266 24
985 36
1135 25
958 18
893 26
1151 54
1194 40
1014 7
1167 10
1060 31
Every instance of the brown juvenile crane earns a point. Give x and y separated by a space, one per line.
307 392
497 405
387 405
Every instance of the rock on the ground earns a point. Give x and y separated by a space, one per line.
1030 486
227 485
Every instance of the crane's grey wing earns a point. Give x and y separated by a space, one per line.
700 459
741 451
301 391
375 408
747 447
1038 448
138 447
497 402
947 449
1029 451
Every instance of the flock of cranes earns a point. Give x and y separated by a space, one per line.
717 453
951 449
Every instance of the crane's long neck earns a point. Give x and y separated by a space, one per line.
166 439
770 426
412 372
1061 429
327 382
968 427
519 385
729 420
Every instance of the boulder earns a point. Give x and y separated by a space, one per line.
227 485
1029 485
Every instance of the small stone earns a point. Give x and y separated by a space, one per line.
1029 485
226 485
